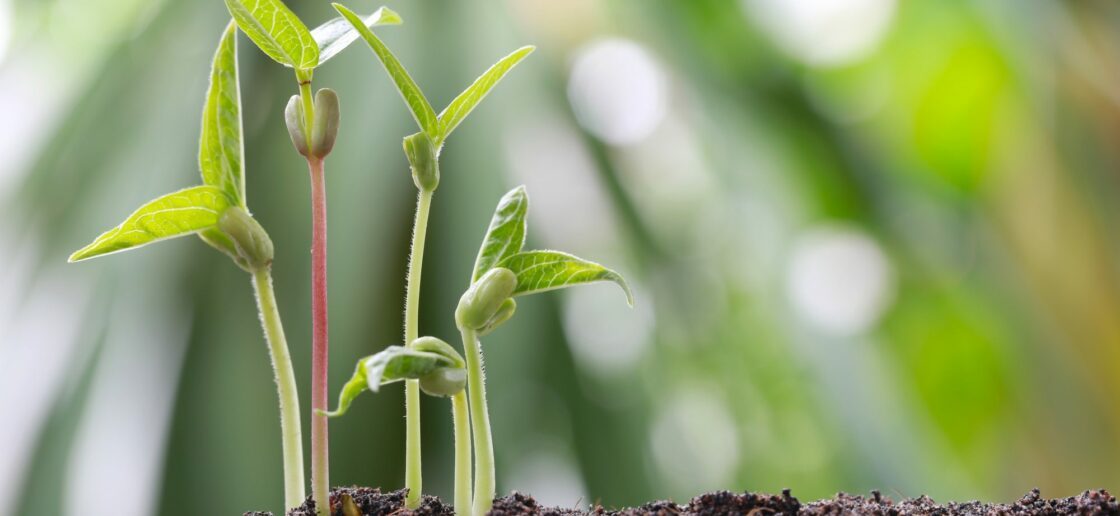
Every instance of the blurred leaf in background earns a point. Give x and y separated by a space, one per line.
872 244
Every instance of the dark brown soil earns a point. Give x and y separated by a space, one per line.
371 502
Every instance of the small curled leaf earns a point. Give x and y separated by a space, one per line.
539 271
179 213
396 363
354 386
458 109
337 34
506 234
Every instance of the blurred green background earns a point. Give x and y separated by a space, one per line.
876 245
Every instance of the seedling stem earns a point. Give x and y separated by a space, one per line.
413 474
484 485
286 387
320 489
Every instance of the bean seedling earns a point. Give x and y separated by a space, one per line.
313 126
217 212
503 271
422 150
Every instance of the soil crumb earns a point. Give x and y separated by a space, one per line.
369 502
372 502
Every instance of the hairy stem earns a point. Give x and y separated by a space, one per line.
320 486
459 408
412 470
291 434
484 484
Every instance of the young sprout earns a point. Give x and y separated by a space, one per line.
503 271
422 150
313 125
217 212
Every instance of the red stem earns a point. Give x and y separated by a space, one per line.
319 472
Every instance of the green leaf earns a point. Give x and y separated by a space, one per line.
354 386
462 106
277 31
421 110
506 235
538 271
187 211
220 147
396 363
337 34
393 364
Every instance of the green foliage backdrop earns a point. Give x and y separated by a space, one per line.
874 253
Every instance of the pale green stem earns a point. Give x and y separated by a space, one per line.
484 483
459 415
308 106
412 470
291 434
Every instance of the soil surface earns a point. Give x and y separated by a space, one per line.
363 501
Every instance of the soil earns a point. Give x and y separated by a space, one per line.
363 501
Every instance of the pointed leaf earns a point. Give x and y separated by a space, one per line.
354 386
396 363
421 110
277 31
506 235
538 271
462 106
187 211
220 147
337 34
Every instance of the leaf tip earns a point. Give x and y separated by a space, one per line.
621 282
387 16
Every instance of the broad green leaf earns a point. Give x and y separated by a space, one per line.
538 271
459 108
396 363
506 234
220 147
421 110
337 34
187 211
277 31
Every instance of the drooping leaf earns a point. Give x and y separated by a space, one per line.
277 31
187 211
354 386
220 146
459 108
396 363
538 271
393 364
337 34
506 235
421 110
